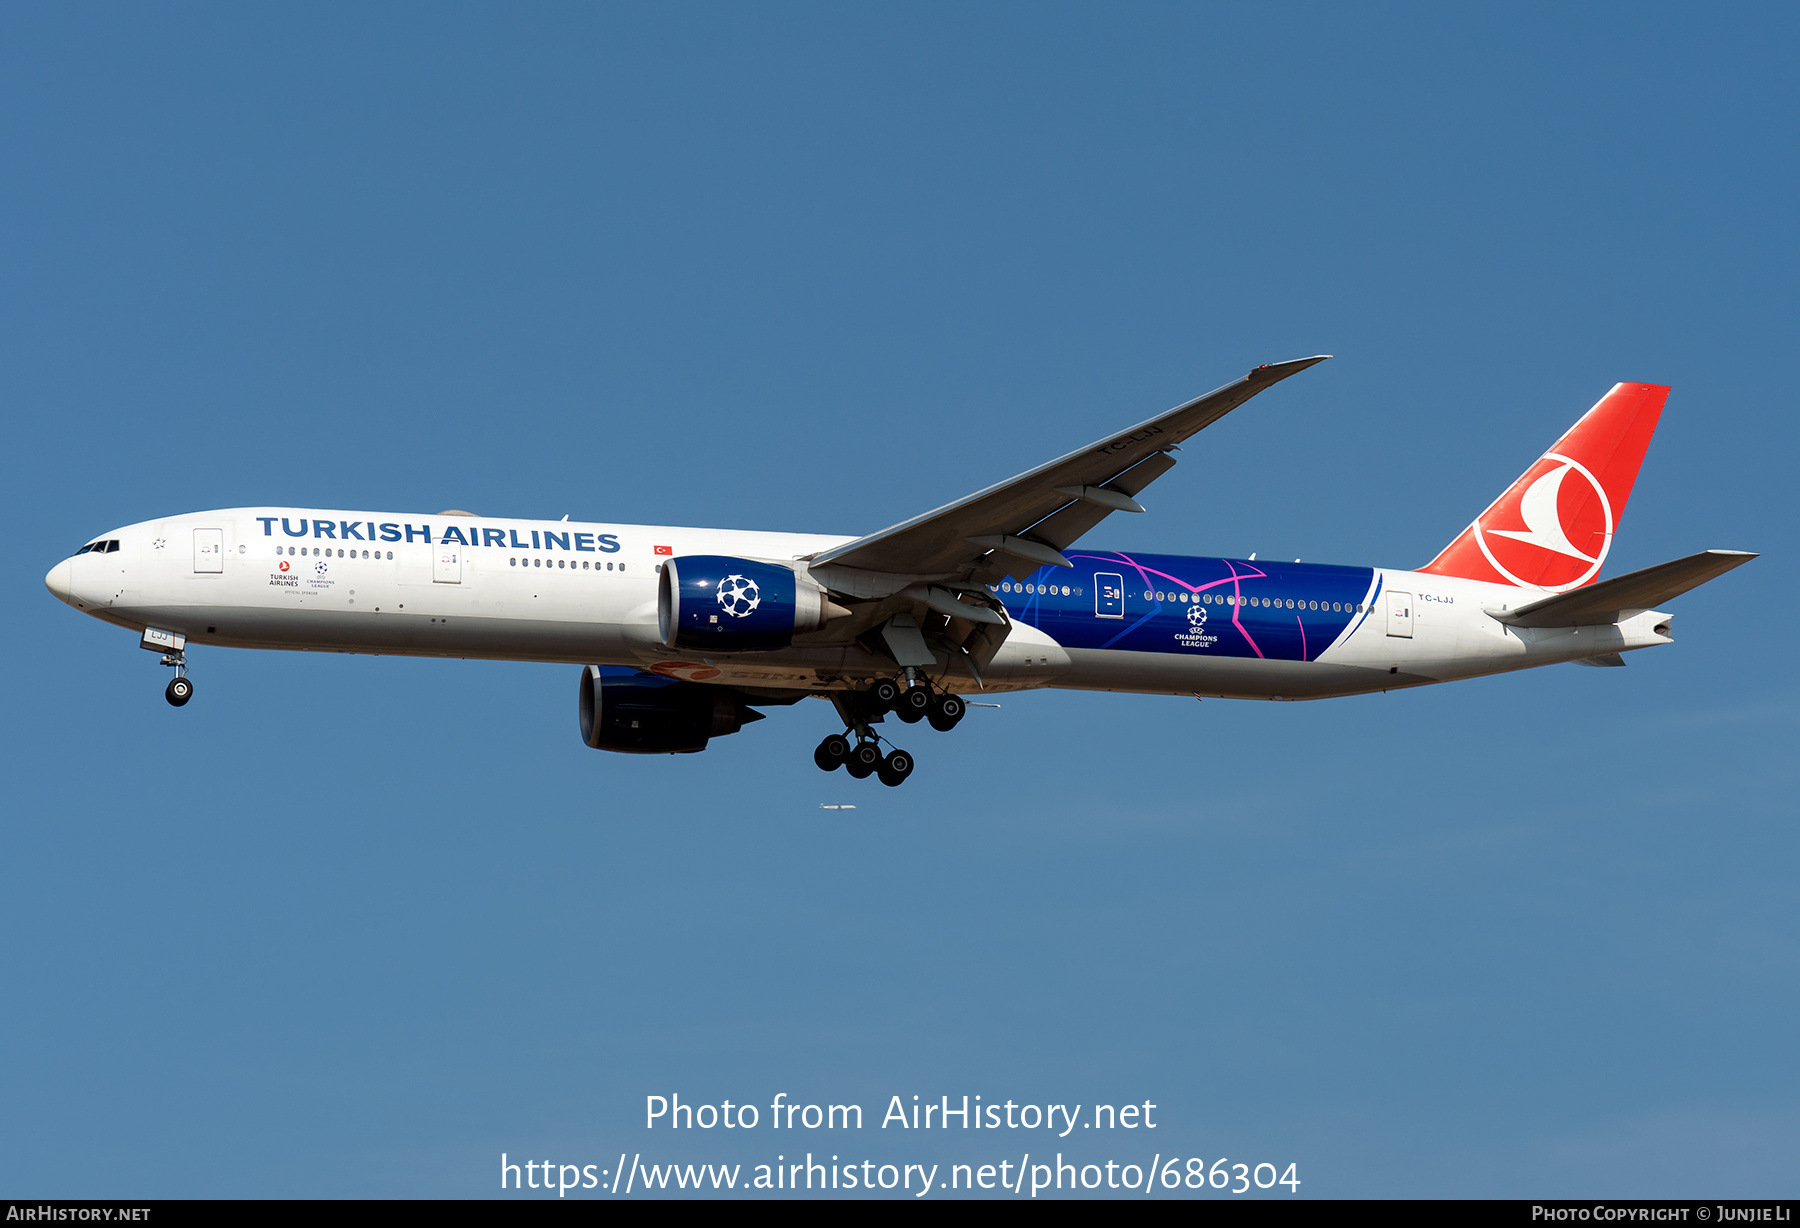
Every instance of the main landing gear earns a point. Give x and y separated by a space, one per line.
919 702
862 757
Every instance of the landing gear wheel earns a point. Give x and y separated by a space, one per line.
179 691
915 702
896 768
863 760
832 752
945 712
884 694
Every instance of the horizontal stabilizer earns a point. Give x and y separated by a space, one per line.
1611 601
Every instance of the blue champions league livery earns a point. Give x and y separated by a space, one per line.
682 635
1221 607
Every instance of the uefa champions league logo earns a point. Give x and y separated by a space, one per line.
1194 634
739 595
321 568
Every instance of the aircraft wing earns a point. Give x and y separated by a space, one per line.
1026 522
1611 601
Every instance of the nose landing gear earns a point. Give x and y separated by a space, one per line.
173 646
180 688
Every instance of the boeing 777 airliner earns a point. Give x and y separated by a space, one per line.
681 634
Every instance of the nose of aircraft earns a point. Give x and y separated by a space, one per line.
61 581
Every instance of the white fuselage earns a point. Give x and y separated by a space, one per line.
587 593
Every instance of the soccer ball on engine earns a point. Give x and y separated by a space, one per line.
739 595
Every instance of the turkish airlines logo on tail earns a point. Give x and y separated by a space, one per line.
1553 527
1564 526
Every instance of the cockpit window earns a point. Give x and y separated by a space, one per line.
112 547
85 549
106 547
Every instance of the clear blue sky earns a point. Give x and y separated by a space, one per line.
354 926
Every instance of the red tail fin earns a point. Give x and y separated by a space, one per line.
1553 527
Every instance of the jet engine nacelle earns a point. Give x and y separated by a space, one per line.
723 604
628 710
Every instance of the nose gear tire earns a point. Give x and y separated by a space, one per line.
179 691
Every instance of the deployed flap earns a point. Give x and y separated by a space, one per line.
901 634
1031 509
1610 601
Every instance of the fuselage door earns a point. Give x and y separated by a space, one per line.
1400 614
1109 595
209 551
446 564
